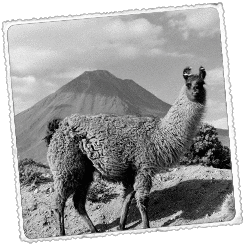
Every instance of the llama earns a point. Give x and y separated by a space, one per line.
125 149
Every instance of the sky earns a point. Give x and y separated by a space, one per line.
150 48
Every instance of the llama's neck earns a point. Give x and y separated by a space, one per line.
178 128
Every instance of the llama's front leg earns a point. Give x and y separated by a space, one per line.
128 196
142 187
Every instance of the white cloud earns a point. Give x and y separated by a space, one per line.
215 76
155 52
128 51
135 30
23 85
28 90
220 123
203 21
58 47
216 106
25 59
69 74
53 53
60 51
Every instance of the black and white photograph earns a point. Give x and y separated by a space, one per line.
121 122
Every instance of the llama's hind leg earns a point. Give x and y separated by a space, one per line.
142 187
79 200
60 200
128 196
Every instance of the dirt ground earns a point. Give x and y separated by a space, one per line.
182 196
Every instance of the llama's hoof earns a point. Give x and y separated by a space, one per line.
120 228
94 231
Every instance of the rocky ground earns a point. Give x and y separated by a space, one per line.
182 196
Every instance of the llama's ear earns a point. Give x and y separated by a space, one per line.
202 73
187 72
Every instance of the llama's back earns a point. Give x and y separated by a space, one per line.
112 143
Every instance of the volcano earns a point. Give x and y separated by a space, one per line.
92 93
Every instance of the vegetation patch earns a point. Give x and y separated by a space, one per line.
207 150
101 191
31 172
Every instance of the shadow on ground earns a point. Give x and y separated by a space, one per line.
192 200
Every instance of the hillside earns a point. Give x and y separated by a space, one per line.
93 92
224 136
183 196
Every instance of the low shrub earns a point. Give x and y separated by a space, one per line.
99 191
207 150
31 172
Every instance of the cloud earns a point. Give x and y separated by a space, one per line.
28 60
216 106
134 30
58 47
28 90
23 85
215 76
44 56
220 123
204 21
56 52
156 52
69 74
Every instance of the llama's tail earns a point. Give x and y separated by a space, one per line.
52 126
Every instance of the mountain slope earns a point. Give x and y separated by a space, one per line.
93 92
223 135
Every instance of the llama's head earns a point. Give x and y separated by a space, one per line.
195 90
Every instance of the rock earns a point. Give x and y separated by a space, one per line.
95 207
33 206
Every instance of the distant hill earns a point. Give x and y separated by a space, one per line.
93 92
224 136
